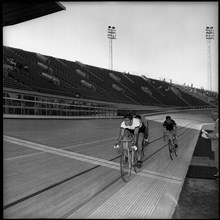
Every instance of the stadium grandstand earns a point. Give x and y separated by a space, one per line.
35 84
38 86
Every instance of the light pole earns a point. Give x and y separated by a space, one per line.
111 35
209 37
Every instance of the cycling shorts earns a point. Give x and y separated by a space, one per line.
141 130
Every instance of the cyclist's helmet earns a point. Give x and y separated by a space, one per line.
128 115
138 116
168 117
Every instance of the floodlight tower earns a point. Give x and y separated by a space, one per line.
209 37
111 35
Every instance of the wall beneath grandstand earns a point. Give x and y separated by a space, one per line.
29 104
120 114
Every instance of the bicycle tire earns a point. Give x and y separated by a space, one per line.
125 166
175 152
170 150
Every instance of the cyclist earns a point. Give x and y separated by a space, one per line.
143 131
129 129
170 127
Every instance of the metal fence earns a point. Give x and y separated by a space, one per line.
22 103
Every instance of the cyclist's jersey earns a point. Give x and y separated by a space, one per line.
135 124
142 128
169 126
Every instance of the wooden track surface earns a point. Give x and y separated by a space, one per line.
69 169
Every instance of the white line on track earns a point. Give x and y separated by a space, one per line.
77 145
59 152
85 158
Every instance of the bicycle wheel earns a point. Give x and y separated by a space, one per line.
135 162
125 165
170 149
175 151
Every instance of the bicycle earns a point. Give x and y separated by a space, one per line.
171 146
128 160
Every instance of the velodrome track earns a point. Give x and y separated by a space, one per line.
69 169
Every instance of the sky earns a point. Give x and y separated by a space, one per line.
155 39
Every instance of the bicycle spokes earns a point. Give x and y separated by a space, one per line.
125 166
172 149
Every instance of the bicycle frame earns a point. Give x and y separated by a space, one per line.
171 146
131 160
128 148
